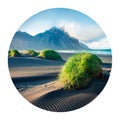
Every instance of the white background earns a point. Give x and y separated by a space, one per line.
13 13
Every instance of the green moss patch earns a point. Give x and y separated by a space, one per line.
79 70
14 53
31 53
50 55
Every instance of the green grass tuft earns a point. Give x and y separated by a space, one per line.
14 53
31 53
79 70
50 55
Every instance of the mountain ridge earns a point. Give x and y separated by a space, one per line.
54 38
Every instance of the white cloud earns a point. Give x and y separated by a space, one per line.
90 35
82 32
101 44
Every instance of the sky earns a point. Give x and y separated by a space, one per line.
77 24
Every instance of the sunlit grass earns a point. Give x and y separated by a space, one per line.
50 55
79 70
31 53
14 53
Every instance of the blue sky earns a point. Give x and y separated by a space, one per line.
74 22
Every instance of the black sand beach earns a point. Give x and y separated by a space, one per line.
37 80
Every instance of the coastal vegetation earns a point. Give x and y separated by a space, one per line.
31 53
14 53
50 55
79 70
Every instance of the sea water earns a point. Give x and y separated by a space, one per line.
97 52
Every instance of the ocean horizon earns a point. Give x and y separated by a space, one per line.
93 51
97 52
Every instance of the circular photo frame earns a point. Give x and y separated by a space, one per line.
59 59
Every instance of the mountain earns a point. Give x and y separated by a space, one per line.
53 38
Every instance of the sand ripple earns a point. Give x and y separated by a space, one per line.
61 100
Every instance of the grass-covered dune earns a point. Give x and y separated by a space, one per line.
79 70
50 55
14 53
31 53
46 54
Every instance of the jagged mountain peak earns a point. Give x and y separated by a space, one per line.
54 38
52 31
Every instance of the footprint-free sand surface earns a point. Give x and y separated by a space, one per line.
37 80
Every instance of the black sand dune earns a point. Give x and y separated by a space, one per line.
32 71
36 80
61 100
31 62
